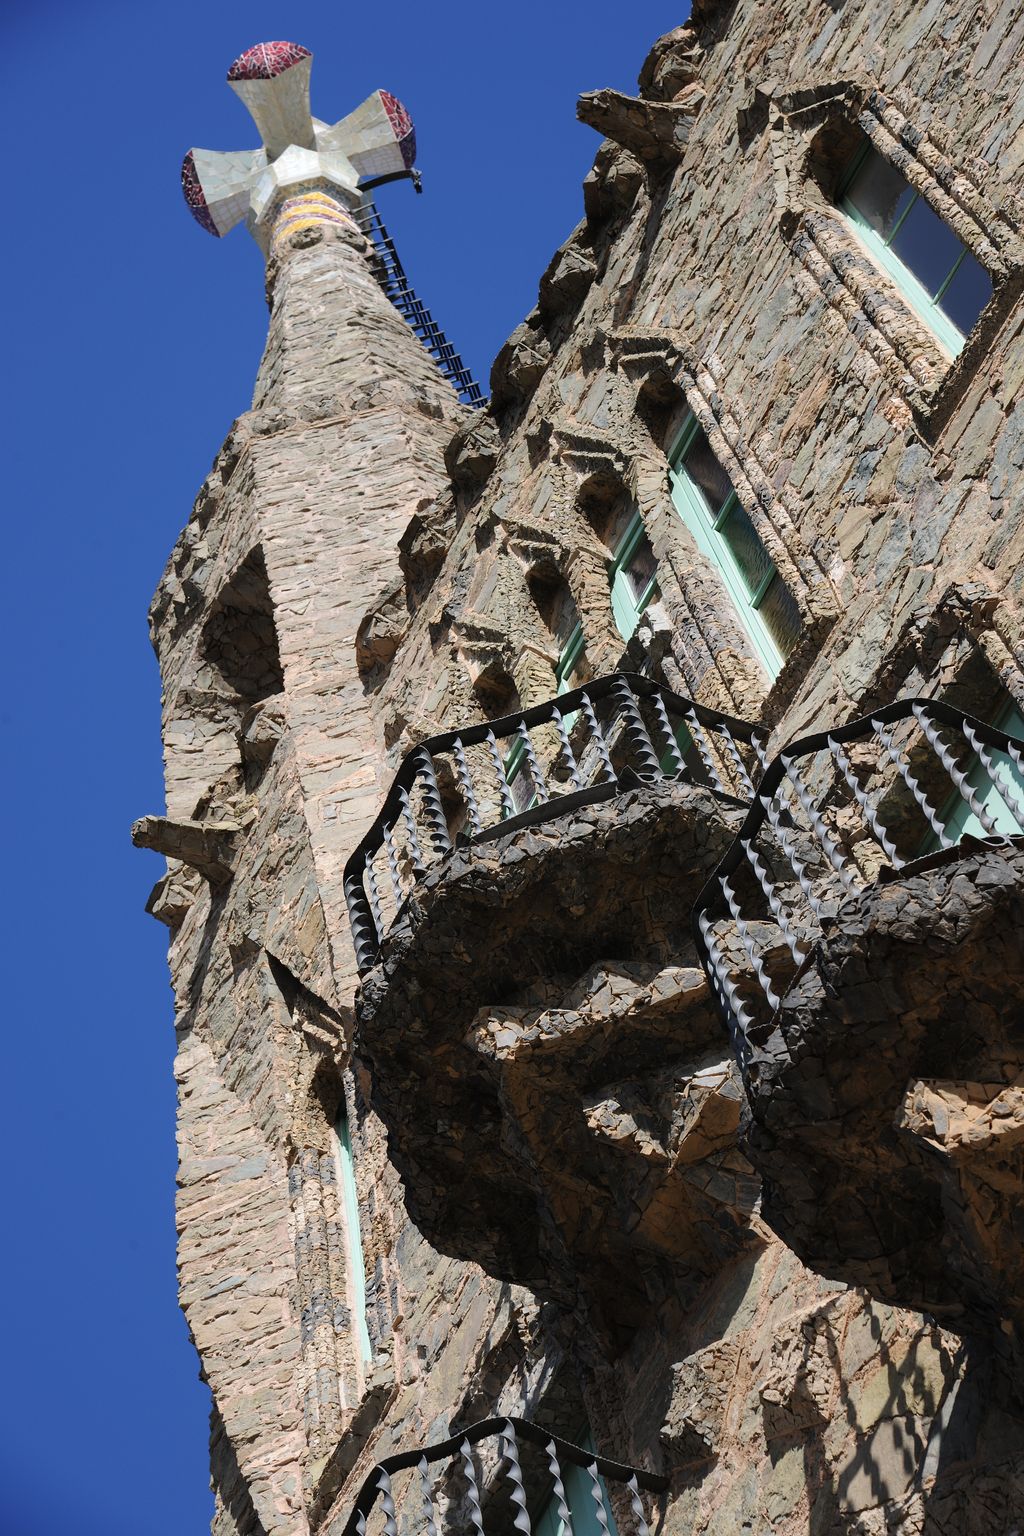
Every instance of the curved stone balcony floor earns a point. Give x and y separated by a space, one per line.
863 937
888 1094
553 1068
546 1054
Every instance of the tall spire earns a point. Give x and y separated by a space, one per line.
317 168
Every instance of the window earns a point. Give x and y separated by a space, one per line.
571 664
350 1212
571 671
667 762
957 816
705 500
632 573
931 266
579 1496
520 780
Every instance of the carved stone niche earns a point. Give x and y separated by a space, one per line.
888 1095
556 1085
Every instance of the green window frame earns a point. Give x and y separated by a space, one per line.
353 1237
957 816
684 746
579 1497
727 537
568 660
519 780
629 599
931 266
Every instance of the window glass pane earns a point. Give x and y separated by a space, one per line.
571 668
625 521
353 1241
519 779
640 569
967 294
704 470
956 815
879 193
521 785
579 1498
748 551
631 576
926 245
781 615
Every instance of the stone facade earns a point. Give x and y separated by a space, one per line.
626 1218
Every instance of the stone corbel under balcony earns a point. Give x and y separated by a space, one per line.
558 1090
208 848
863 940
563 1115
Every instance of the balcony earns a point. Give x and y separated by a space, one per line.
555 1046
862 937
558 1088
500 1476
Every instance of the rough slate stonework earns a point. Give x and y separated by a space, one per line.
893 1077
367 564
569 975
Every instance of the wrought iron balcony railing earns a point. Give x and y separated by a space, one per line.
483 1469
833 814
579 748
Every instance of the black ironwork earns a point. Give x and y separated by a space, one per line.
453 1500
391 276
834 813
576 749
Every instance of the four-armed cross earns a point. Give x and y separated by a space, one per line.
299 154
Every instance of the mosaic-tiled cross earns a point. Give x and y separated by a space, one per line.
299 154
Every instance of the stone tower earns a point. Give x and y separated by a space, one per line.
595 822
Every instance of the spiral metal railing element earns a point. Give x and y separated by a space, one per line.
582 747
484 1465
833 814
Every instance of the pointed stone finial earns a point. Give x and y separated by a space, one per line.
327 164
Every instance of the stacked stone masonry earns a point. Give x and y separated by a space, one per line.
575 1204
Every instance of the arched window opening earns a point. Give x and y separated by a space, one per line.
557 608
632 570
632 564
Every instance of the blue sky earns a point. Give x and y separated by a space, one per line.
131 341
